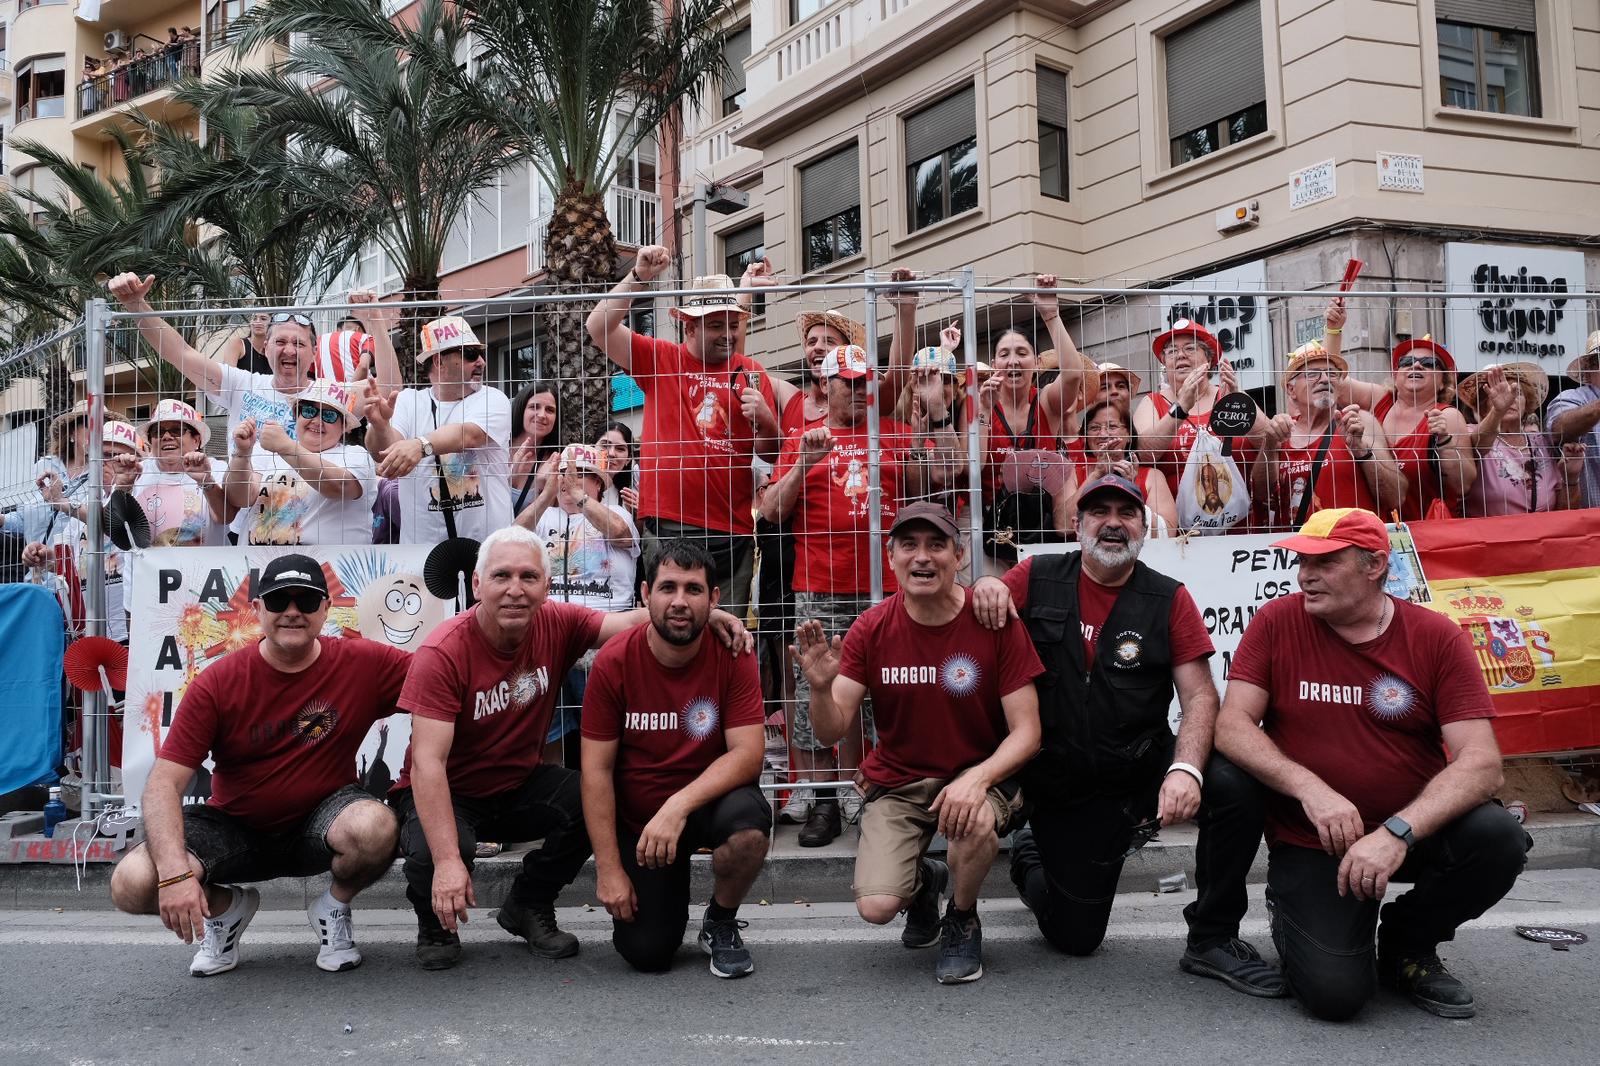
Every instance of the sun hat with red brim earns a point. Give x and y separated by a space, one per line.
1183 327
1427 344
1337 528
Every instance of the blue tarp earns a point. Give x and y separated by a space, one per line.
34 642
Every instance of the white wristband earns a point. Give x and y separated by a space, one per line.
1192 771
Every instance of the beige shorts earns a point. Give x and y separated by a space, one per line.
896 829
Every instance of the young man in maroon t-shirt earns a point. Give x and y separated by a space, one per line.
282 722
672 746
822 483
1368 719
481 693
957 718
1117 638
708 409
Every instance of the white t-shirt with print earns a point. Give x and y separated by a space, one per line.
245 395
288 510
476 478
584 567
176 506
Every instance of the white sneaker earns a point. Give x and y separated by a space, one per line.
219 950
850 804
330 919
798 809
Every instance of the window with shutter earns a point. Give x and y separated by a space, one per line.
942 159
736 50
830 208
740 248
1052 104
1216 81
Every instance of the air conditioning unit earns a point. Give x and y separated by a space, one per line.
116 40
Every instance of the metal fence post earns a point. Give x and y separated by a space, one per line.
969 346
874 447
96 735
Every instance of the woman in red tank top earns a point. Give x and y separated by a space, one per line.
1109 446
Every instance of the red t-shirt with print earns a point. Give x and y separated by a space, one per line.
1186 629
669 722
696 445
500 704
935 690
1365 718
831 521
282 743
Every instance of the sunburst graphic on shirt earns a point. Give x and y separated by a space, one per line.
959 674
700 717
315 720
525 688
1389 698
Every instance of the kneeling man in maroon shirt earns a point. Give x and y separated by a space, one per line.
672 746
957 718
282 721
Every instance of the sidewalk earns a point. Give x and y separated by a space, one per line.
792 875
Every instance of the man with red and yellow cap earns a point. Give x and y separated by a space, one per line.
822 482
1367 719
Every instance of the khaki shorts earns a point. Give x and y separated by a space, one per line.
896 829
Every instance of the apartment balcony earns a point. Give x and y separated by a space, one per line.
7 89
635 221
142 84
713 152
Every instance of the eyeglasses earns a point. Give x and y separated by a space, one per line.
1321 372
295 317
313 411
1182 349
306 601
175 429
1427 362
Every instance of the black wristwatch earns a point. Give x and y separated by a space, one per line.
1402 829
1178 412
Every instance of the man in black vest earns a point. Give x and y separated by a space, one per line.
1115 638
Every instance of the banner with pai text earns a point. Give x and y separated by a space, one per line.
191 606
1526 588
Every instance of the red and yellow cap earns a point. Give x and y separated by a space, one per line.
1337 528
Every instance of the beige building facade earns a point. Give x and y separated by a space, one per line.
1117 144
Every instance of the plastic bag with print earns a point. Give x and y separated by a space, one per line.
1213 495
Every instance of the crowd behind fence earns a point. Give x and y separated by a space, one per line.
764 439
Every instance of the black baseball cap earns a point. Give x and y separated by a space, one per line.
936 515
1110 483
290 572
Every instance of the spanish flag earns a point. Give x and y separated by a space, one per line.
1526 588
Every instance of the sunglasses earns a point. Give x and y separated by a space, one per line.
1427 362
313 411
175 429
306 601
296 318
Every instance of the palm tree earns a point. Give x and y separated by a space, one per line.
374 132
280 247
555 73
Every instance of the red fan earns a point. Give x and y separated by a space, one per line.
1352 270
87 656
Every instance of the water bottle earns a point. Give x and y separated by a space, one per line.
54 811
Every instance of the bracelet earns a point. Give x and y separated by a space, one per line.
1191 770
1363 458
1333 331
1178 412
179 879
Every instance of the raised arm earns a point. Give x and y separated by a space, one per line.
607 323
903 337
835 699
239 482
129 291
380 320
1062 394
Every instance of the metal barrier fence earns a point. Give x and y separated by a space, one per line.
985 425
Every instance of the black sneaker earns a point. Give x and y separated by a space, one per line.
960 949
721 941
1239 965
922 916
437 949
1424 980
824 825
536 923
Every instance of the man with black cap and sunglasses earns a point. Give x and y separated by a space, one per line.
282 721
1115 638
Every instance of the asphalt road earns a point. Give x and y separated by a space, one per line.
86 988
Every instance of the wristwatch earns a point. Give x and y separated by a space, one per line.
1402 829
427 447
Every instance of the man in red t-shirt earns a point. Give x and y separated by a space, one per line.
957 718
673 734
1375 741
282 722
1116 638
481 692
1322 455
822 482
708 409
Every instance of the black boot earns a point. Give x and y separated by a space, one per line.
824 825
